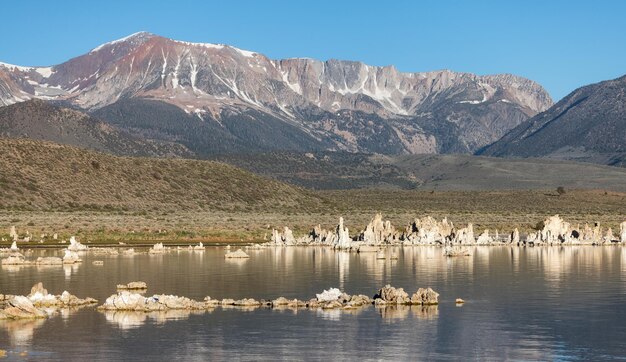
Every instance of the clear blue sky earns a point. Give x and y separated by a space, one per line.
560 44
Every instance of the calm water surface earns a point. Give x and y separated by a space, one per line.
548 303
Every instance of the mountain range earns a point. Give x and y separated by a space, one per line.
146 95
214 98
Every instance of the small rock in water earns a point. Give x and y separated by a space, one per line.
98 262
329 295
133 286
157 248
459 301
236 254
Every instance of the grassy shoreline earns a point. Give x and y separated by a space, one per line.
502 210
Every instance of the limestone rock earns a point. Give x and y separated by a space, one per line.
157 248
425 296
329 295
14 259
555 230
358 301
75 245
280 301
104 251
484 238
515 237
13 233
284 238
211 303
50 260
128 252
71 257
239 254
464 236
20 307
391 295
428 231
247 302
69 300
343 236
29 306
126 300
132 286
378 232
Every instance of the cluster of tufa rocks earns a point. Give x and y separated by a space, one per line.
428 231
556 231
397 296
332 298
39 303
17 258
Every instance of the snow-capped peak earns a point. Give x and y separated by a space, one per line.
245 53
44 71
141 35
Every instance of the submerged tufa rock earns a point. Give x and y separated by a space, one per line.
239 254
50 260
132 286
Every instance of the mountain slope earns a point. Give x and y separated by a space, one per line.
335 102
249 131
33 178
333 170
589 124
40 120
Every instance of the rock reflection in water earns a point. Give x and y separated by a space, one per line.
21 331
70 269
130 320
394 313
13 268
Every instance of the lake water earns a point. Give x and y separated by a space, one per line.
543 303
